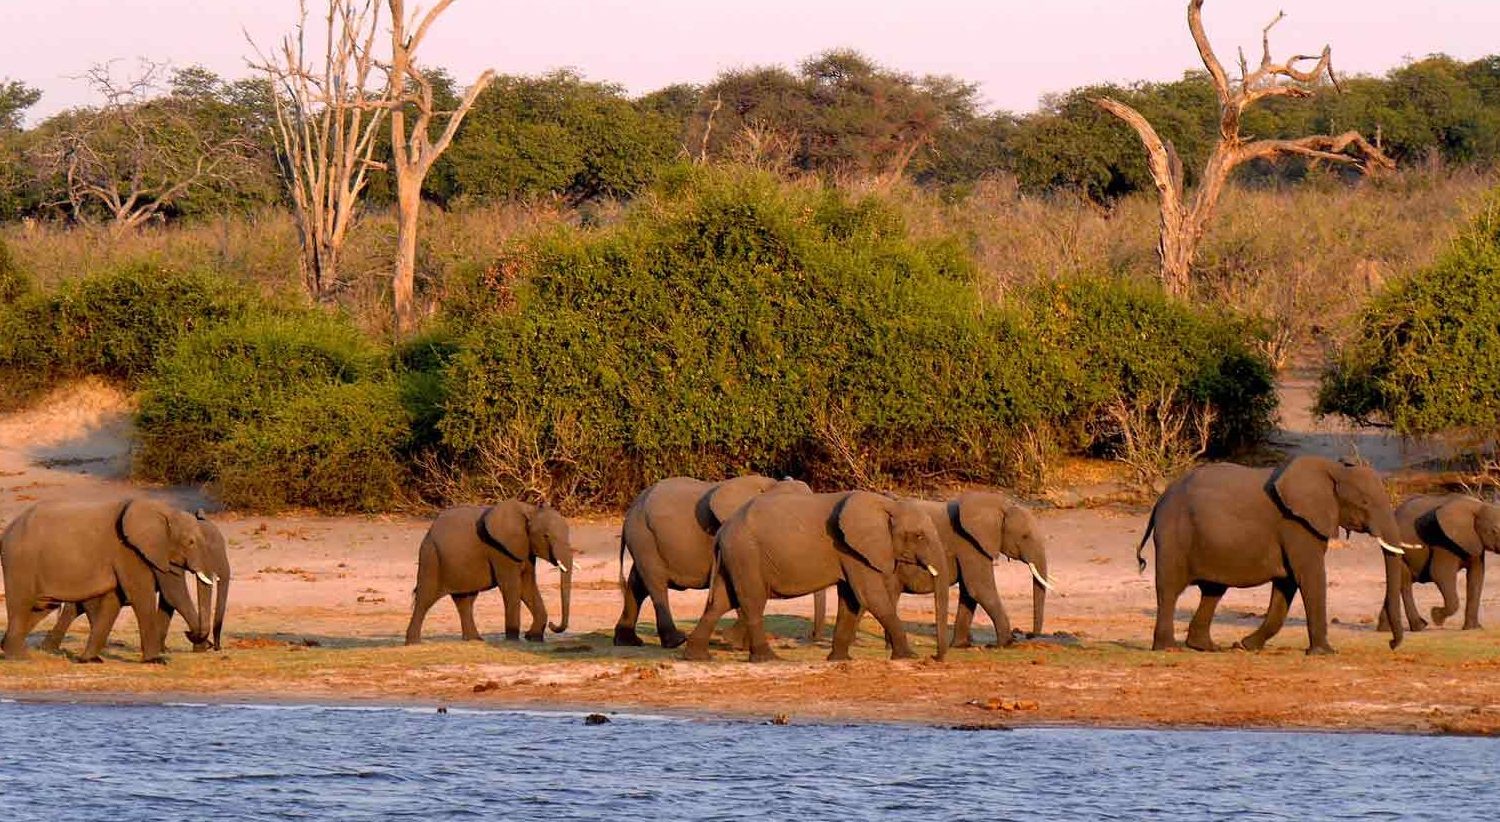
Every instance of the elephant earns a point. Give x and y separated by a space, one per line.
1447 532
669 534
215 596
472 549
1224 526
978 529
101 555
790 545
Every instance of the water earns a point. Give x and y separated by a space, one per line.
93 762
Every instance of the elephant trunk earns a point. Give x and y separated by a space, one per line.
565 587
202 635
1394 568
940 608
1038 565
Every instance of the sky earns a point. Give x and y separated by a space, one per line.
1017 50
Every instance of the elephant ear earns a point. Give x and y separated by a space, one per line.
1458 521
730 495
865 523
506 526
1305 489
982 517
147 528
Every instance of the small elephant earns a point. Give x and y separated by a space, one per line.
472 549
669 534
101 555
790 545
1224 526
214 596
1447 533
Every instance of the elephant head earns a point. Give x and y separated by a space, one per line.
171 543
213 595
884 532
1325 495
535 531
1472 526
1003 529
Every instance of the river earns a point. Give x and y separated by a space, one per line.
110 762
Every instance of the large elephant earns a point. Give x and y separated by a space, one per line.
669 534
790 545
472 549
1445 533
101 555
1224 526
211 595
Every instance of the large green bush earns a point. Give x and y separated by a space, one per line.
239 374
338 447
14 284
1425 356
729 323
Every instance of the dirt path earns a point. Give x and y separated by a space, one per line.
319 606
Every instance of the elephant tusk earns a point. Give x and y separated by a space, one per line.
563 567
1043 581
1389 548
205 578
931 569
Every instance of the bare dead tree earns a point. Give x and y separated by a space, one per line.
1183 222
327 117
414 149
137 153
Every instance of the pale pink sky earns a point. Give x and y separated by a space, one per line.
1016 49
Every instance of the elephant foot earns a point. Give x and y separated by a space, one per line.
1204 645
1419 625
1250 643
203 647
693 653
1321 650
156 660
673 639
537 637
961 643
627 637
513 636
50 648
413 640
89 660
479 638
1472 626
1165 645
838 656
763 655
905 653
1438 617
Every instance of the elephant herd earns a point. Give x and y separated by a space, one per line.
751 539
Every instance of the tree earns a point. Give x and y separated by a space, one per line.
15 98
415 150
139 153
327 117
1182 222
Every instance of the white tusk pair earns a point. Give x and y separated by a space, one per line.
1043 581
932 570
1389 548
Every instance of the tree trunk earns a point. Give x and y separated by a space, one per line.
1176 247
408 209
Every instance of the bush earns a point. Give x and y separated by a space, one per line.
1425 355
114 325
236 374
14 284
730 323
337 447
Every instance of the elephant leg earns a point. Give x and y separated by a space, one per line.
1198 637
1447 585
1282 591
963 619
717 606
882 605
634 593
532 595
464 604
820 615
1413 617
667 631
20 619
846 623
510 593
1167 592
102 612
989 599
422 600
65 616
1308 569
1474 577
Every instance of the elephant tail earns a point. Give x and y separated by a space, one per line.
1140 559
623 589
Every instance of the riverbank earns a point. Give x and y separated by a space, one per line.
319 606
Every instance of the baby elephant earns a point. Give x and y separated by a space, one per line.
780 546
473 549
1445 533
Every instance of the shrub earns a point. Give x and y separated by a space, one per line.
239 373
14 283
115 324
338 448
1425 356
730 323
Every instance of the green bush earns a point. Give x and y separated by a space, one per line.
14 284
236 374
115 324
729 323
338 448
1425 355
